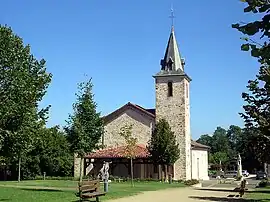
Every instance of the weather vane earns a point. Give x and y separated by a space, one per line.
172 15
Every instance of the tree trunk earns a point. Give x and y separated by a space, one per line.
159 172
166 172
81 175
19 169
131 171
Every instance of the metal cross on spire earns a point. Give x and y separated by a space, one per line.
172 15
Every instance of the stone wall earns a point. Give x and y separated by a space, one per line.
175 110
142 125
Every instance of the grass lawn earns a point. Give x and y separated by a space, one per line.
43 183
116 190
260 195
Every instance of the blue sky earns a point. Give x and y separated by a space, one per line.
120 43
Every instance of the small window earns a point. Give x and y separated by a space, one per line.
170 89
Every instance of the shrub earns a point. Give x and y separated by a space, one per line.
191 182
212 172
263 183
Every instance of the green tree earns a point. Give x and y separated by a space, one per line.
23 83
220 142
206 140
235 136
255 147
50 154
219 157
163 147
53 151
130 148
85 126
257 108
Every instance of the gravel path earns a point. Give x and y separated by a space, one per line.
181 194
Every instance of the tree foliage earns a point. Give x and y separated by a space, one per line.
50 154
163 146
206 140
85 126
220 141
130 147
257 108
218 157
232 142
130 141
23 83
54 153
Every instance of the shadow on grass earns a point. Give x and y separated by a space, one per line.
44 190
211 198
236 190
5 199
92 200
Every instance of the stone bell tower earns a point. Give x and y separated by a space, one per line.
172 103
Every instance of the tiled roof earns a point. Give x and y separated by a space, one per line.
148 112
119 152
198 145
140 151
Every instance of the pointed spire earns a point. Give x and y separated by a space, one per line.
172 60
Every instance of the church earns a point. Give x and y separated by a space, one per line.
172 103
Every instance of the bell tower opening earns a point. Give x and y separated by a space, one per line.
170 89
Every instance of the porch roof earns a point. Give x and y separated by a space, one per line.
118 152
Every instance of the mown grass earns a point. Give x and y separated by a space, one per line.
259 195
33 191
43 183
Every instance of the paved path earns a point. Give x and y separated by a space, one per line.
180 194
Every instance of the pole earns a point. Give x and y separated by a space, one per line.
106 187
170 178
131 171
19 169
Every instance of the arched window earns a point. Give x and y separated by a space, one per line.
170 89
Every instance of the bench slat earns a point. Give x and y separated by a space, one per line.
92 182
88 187
93 194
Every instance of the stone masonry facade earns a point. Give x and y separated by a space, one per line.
142 126
175 109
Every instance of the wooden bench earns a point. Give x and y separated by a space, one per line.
89 189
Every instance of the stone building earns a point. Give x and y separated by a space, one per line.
172 104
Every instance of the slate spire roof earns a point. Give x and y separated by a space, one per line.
172 61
